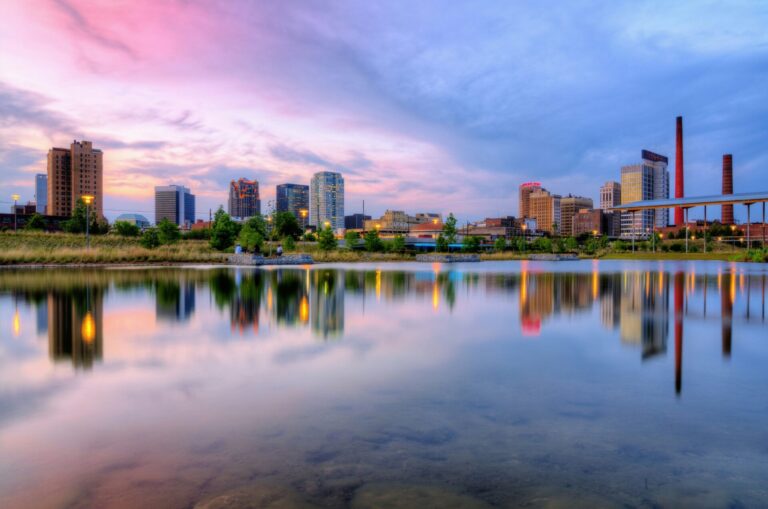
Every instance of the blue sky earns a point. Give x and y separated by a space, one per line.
443 106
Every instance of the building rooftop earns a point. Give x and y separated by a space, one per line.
695 201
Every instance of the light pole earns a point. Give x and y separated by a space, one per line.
87 199
525 241
303 214
15 199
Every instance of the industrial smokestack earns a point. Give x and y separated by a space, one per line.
727 213
679 184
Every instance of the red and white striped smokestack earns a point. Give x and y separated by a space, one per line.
727 212
679 184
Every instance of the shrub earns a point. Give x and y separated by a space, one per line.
150 239
471 244
168 232
36 222
500 244
373 242
350 239
289 244
398 244
224 231
326 239
126 229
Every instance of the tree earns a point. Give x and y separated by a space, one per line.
309 237
350 239
286 225
150 239
251 236
398 244
289 244
326 239
76 223
541 244
571 245
500 244
471 244
168 232
36 222
223 231
373 241
126 229
441 244
449 229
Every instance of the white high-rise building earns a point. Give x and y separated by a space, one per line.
610 195
326 200
648 180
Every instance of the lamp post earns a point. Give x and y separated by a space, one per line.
525 240
15 199
87 199
303 214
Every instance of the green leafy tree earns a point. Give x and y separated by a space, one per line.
449 229
224 231
286 225
372 241
542 244
571 244
168 232
326 239
500 244
251 238
76 223
350 239
441 244
398 244
126 229
289 244
150 239
471 244
36 222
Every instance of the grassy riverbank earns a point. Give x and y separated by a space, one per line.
33 248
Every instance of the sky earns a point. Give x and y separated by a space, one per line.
423 106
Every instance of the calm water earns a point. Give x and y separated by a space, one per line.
496 384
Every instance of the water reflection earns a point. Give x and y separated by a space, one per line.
634 304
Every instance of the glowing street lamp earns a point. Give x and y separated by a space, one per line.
303 213
525 237
15 199
87 199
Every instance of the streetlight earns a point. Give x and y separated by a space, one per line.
87 199
525 239
15 199
303 213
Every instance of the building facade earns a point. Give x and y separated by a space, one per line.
648 180
72 174
176 204
525 192
399 222
244 199
610 195
355 221
41 193
294 198
569 206
326 200
544 207
135 219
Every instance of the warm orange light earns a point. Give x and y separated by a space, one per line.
87 199
88 329
16 324
435 296
378 227
15 197
304 309
661 235
378 284
303 212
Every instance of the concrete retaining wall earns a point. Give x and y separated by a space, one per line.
250 259
447 258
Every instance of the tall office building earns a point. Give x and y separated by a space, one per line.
41 192
569 206
73 173
326 200
648 180
610 195
176 204
244 198
294 198
544 207
525 192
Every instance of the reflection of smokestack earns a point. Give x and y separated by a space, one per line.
726 312
679 296
727 214
679 193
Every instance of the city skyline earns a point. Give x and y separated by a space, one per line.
543 102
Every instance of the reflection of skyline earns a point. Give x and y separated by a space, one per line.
638 307
76 326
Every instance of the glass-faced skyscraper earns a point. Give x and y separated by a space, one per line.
294 198
244 198
326 200
648 180
176 204
41 193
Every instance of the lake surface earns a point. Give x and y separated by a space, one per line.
566 384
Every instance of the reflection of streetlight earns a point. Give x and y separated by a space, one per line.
88 328
87 199
15 199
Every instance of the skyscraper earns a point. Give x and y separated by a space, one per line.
326 200
73 173
727 210
648 180
545 208
41 192
294 198
610 195
525 192
244 198
569 206
176 204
